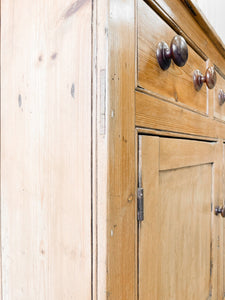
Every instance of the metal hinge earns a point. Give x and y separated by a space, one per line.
140 204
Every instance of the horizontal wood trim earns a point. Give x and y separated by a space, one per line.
147 131
158 114
169 99
179 153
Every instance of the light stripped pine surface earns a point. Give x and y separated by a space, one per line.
100 146
46 149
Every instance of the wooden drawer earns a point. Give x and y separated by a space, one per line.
219 109
176 83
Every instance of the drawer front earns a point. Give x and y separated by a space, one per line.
219 106
176 83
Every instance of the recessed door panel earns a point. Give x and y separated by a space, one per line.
177 260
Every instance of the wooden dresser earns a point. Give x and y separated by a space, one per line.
166 153
112 151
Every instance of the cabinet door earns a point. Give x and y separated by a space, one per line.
177 256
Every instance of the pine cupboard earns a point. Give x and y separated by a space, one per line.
112 151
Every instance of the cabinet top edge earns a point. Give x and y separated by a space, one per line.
203 22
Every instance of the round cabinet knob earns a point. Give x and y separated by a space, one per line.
220 210
221 97
178 51
209 78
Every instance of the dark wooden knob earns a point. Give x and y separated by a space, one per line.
220 210
221 97
178 51
209 78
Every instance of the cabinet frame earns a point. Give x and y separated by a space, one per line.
125 122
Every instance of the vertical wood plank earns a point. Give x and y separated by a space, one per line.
121 261
150 182
217 239
222 228
0 165
46 149
100 147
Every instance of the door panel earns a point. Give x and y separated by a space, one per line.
176 255
179 153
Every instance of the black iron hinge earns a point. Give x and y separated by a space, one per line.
140 204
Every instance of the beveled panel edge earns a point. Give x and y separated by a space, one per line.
173 134
202 153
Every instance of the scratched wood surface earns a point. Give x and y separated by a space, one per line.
46 149
121 227
100 147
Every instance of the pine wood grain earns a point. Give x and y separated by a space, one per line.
223 229
176 12
176 83
213 25
46 149
149 288
69 164
99 148
178 153
158 114
178 246
219 198
121 227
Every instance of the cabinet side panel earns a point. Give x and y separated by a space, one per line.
46 149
